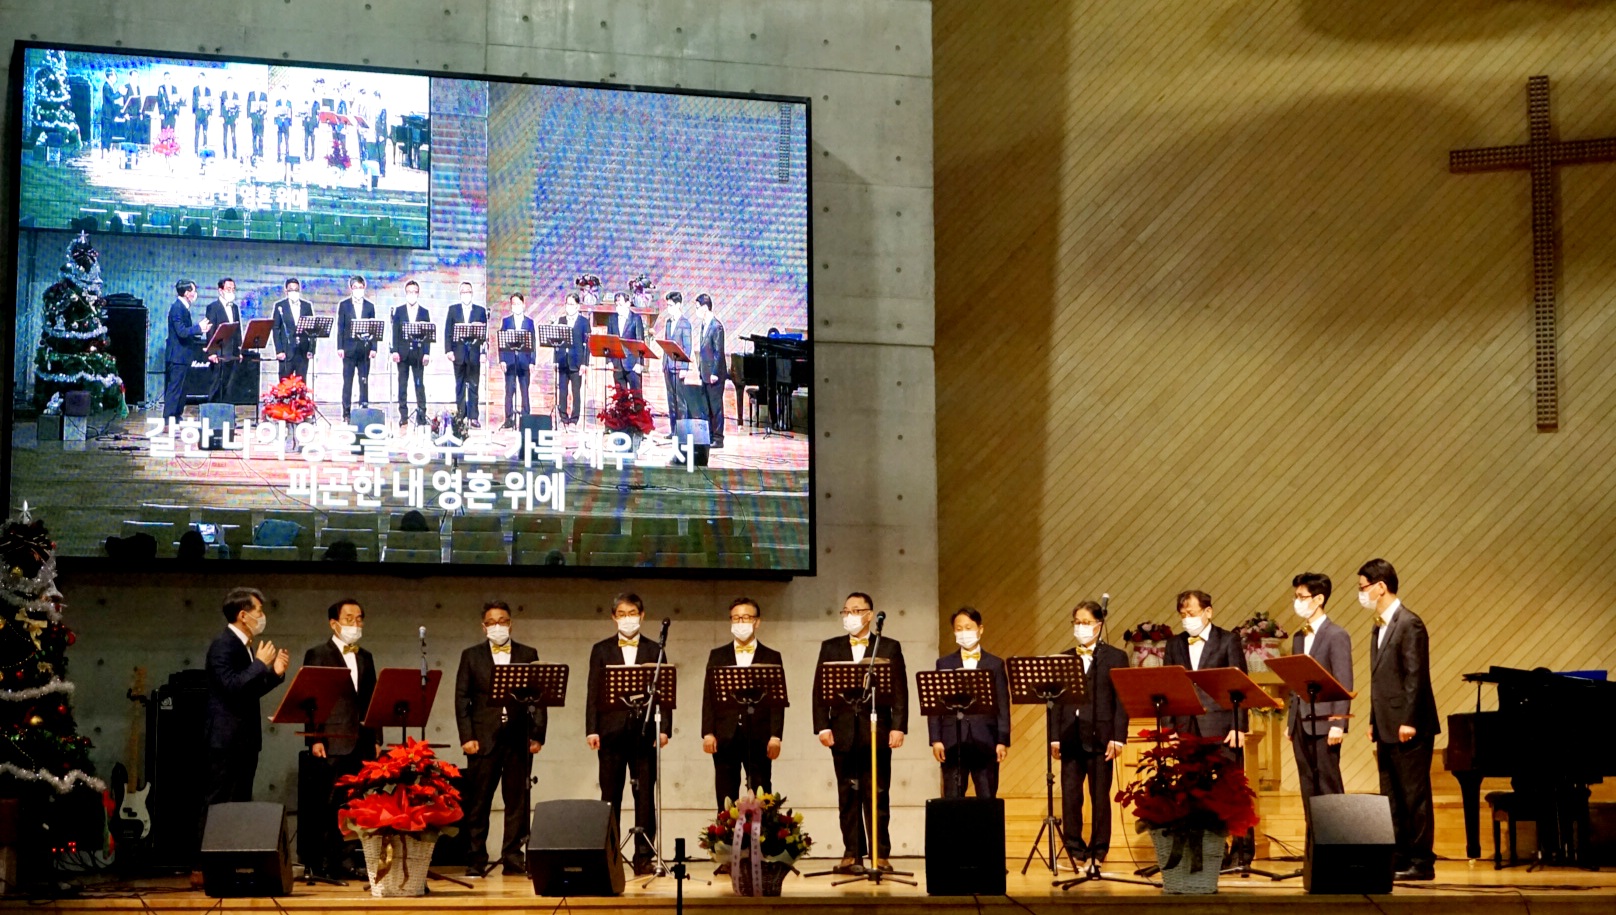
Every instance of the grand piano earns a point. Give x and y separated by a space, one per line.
777 366
1546 737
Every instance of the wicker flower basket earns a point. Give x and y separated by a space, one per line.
397 864
774 875
1178 879
1257 655
1148 654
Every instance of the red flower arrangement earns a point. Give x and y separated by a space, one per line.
1186 788
627 413
289 401
406 790
1148 632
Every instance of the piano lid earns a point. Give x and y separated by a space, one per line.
1540 676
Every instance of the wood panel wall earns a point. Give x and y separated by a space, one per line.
1211 311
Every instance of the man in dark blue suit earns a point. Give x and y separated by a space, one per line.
293 348
706 390
570 359
467 358
675 329
977 747
410 355
735 739
1089 735
349 746
357 352
224 310
239 675
1317 743
629 371
187 334
518 363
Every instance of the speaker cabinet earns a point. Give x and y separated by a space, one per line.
532 426
696 432
126 332
965 846
174 767
1351 847
570 851
244 851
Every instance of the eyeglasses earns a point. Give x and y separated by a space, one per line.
854 612
743 619
625 615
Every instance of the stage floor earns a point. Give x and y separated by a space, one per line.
1485 891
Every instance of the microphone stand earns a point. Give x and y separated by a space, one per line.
873 873
423 676
652 715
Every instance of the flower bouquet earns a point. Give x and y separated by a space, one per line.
627 413
760 838
289 401
398 805
1147 643
1189 795
1261 638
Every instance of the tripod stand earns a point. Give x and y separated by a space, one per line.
1043 679
1092 874
1304 675
647 689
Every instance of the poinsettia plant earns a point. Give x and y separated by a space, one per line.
404 792
1148 632
627 412
1187 786
779 830
289 401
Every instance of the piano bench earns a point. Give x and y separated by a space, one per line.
1504 806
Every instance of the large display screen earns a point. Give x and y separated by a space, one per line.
511 325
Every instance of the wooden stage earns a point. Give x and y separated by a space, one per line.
1477 887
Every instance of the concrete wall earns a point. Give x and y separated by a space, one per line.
867 66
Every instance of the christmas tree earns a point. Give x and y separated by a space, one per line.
53 108
44 761
73 347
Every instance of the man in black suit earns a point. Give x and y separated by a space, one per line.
975 749
239 675
111 107
467 358
1203 646
229 114
499 741
570 360
1317 743
168 102
518 363
1403 721
628 372
186 337
706 389
223 361
310 124
349 745
623 737
292 347
1090 734
257 112
202 105
734 739
356 352
410 355
676 329
846 731
283 129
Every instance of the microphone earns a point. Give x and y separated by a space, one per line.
880 620
1105 602
663 638
423 657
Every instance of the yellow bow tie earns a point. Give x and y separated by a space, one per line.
501 649
628 643
1307 630
744 649
1195 639
972 655
1085 652
864 641
349 649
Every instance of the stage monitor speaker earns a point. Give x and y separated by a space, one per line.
174 766
218 417
965 846
531 425
244 851
697 433
1351 851
126 337
570 851
363 418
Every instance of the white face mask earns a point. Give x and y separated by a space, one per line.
1304 609
1083 632
742 631
465 298
292 296
1194 625
411 299
499 635
853 622
350 635
257 624
967 638
629 626
1367 601
226 296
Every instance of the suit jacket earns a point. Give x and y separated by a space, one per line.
679 332
846 724
351 347
168 100
478 718
635 330
201 102
986 730
710 353
1099 719
1332 648
617 721
1222 649
513 358
1400 679
236 681
575 354
230 106
185 337
218 314
464 353
402 345
725 726
350 707
287 339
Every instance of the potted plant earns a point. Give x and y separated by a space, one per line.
628 414
289 402
398 806
1189 795
1262 638
1147 643
760 838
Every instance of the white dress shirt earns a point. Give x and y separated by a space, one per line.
1196 648
630 651
858 650
1307 640
744 658
350 658
501 658
1385 621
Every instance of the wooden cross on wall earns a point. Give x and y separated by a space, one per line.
1540 155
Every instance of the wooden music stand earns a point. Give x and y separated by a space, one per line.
401 701
608 347
1040 680
221 334
1307 677
308 701
747 689
1157 692
957 692
1231 688
257 334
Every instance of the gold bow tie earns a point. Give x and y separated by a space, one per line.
972 655
349 649
1195 639
864 641
1085 652
1307 630
628 643
747 649
501 649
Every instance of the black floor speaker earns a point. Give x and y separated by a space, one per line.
126 334
1352 845
965 846
570 850
244 851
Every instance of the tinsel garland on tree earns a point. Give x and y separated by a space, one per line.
73 352
53 122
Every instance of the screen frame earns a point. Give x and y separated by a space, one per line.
12 238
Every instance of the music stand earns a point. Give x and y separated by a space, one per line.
747 689
475 334
1040 680
402 701
609 347
958 692
257 334
421 332
316 326
308 701
534 685
554 335
1159 693
676 353
369 329
221 335
647 690
1231 688
1307 677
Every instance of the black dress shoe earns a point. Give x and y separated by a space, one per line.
848 865
1416 873
478 870
514 870
644 867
